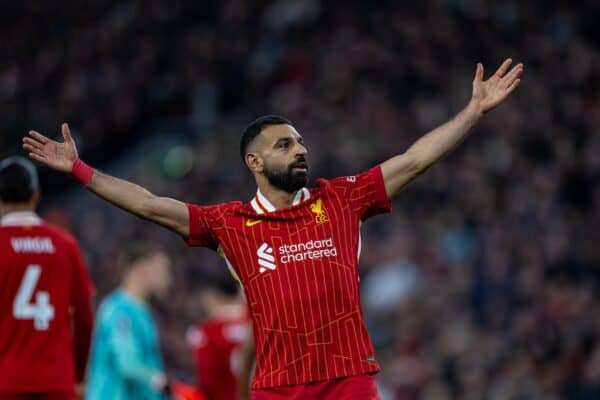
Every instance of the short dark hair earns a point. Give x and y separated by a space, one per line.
136 251
256 127
18 180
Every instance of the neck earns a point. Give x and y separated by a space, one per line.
232 309
133 287
10 208
278 198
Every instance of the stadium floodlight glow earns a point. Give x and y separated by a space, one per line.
178 161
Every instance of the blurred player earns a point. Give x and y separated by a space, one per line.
126 362
45 295
216 340
295 250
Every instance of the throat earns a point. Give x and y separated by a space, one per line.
271 199
276 199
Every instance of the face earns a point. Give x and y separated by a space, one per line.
282 157
157 272
209 298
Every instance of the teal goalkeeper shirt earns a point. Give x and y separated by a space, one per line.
125 351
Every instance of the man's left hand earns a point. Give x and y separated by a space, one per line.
488 94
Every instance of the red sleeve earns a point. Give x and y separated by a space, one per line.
83 319
365 193
202 222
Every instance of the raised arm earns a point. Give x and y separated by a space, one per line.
401 169
133 198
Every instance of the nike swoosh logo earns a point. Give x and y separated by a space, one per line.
252 222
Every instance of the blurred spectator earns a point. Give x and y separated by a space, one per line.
216 340
125 362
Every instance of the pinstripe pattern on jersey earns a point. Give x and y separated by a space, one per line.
307 317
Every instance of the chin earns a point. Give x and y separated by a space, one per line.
300 184
301 177
160 295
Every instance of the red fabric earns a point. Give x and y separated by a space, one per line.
38 396
38 360
298 267
358 387
186 392
83 317
82 172
215 343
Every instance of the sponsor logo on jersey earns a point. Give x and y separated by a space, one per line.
236 333
32 245
266 260
196 337
319 211
296 252
310 250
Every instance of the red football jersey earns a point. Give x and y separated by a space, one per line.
298 267
45 307
215 343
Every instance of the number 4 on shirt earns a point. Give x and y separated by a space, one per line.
41 312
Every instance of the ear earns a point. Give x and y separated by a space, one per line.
254 162
35 198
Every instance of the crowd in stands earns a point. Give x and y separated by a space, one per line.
481 284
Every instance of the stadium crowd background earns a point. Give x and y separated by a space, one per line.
482 283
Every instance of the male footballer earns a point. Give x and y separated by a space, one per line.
45 296
294 249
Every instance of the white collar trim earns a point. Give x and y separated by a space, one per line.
264 202
261 204
20 218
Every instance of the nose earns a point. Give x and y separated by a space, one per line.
301 150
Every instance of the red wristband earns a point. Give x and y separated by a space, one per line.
82 172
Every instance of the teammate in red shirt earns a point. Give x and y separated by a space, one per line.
295 250
216 340
45 301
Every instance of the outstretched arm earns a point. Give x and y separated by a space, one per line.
401 169
167 212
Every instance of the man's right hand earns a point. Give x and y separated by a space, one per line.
170 213
59 156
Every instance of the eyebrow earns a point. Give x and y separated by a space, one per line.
287 139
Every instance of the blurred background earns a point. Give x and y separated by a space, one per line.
481 284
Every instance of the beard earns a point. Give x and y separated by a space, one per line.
288 180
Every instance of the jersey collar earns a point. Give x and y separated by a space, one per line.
261 205
20 218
